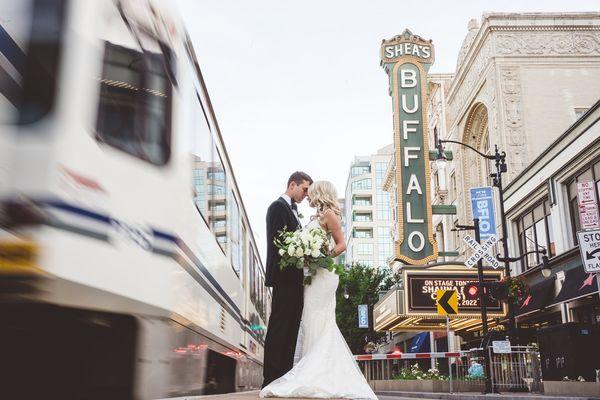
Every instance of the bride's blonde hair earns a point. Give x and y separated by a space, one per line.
323 196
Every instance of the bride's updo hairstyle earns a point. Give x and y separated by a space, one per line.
323 196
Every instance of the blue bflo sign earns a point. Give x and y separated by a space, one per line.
482 206
363 316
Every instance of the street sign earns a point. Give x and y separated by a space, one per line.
363 316
447 302
481 251
501 346
589 247
588 206
482 208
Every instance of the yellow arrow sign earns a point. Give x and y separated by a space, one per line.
447 302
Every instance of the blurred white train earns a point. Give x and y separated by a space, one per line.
128 268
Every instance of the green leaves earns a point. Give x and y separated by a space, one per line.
363 285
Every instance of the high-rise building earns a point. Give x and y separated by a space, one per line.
367 210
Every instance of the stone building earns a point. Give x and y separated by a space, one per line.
521 80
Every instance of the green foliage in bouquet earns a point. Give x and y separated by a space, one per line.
308 250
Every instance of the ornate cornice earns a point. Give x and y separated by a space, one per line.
496 37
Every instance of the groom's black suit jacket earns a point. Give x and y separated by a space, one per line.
280 217
288 295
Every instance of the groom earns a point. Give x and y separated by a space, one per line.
286 306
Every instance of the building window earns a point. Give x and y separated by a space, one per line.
380 168
383 206
362 217
219 223
439 237
384 245
362 201
217 206
362 184
364 249
535 233
363 233
589 174
453 188
456 237
360 170
216 175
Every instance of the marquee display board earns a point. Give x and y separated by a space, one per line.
421 286
406 59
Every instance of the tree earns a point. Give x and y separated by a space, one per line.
362 284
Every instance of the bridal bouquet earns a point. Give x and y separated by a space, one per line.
306 249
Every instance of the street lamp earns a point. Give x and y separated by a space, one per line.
545 267
499 159
482 291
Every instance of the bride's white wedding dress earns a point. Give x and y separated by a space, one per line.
326 368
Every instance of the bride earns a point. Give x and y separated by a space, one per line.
326 368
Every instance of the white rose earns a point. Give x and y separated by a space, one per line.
299 252
291 250
281 252
315 253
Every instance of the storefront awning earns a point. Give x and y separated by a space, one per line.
540 295
420 343
578 283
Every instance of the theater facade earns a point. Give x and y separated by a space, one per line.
528 83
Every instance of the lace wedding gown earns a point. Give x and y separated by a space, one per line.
326 368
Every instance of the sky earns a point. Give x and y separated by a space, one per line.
296 85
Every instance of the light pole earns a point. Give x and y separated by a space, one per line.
500 163
482 301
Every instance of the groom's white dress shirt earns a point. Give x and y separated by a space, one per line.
288 199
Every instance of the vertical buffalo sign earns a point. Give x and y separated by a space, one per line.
482 206
406 59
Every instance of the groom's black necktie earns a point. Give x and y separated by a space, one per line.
294 206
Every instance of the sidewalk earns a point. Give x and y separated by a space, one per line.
478 396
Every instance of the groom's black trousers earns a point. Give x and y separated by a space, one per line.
282 331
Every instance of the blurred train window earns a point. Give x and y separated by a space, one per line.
216 187
31 37
235 228
134 111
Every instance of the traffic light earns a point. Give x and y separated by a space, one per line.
472 291
498 290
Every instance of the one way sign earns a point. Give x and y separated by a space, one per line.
589 246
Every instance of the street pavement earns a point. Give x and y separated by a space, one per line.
254 396
410 395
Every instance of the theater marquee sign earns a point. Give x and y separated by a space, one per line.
406 59
421 286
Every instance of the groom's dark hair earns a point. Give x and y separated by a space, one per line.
299 177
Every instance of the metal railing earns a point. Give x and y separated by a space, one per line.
519 370
463 370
